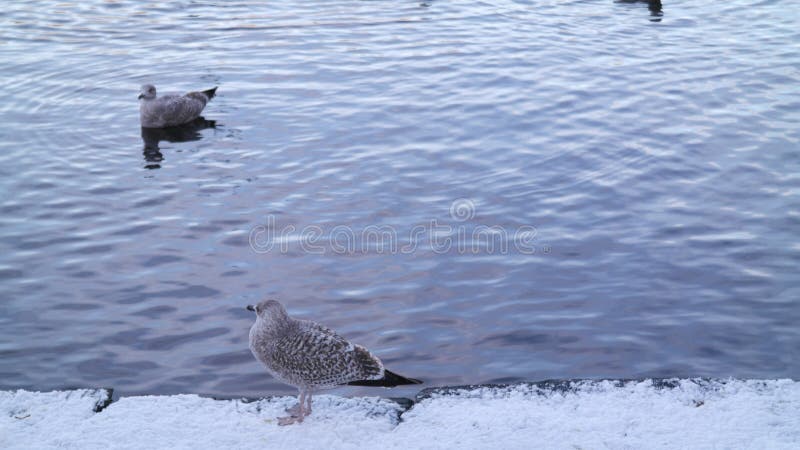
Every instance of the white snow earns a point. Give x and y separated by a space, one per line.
736 414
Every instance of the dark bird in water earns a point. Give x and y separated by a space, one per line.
171 109
312 357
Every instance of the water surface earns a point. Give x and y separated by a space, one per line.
655 154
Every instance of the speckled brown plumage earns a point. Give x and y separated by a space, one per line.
310 356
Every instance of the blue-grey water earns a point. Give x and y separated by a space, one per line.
637 171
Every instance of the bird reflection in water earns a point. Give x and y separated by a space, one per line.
183 133
653 5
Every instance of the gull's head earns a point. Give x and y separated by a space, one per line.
147 92
269 310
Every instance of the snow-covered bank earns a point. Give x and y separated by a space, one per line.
581 414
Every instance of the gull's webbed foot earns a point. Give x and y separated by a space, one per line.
288 420
298 411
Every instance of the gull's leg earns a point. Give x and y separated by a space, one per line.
295 410
308 403
302 413
288 420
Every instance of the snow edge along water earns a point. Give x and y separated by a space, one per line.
105 396
646 413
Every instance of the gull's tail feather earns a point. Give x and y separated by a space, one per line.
211 92
390 379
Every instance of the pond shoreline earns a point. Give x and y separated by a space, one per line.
649 413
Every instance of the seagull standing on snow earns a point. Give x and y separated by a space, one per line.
311 357
172 109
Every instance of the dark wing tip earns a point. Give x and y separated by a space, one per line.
390 379
399 379
210 93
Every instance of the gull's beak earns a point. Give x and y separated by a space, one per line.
251 308
141 96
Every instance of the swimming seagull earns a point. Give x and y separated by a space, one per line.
171 109
311 357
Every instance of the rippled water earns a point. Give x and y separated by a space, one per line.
654 153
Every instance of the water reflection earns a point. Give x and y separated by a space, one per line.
184 133
653 5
